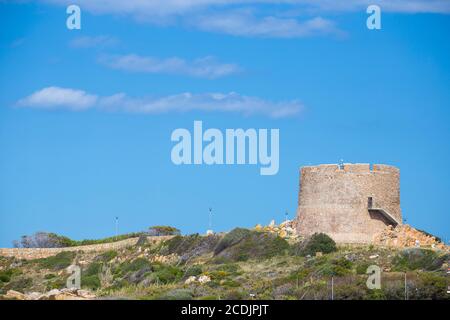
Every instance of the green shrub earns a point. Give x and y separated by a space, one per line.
163 231
166 274
362 268
135 265
427 285
338 267
235 294
49 276
93 269
177 294
58 262
180 244
189 246
319 242
244 244
208 298
90 277
218 274
349 292
194 270
418 259
297 276
7 274
376 294
230 239
4 277
53 240
43 240
107 256
55 283
231 268
230 283
92 281
20 284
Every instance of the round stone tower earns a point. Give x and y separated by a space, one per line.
349 202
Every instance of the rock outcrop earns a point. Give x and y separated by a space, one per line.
404 236
285 229
55 294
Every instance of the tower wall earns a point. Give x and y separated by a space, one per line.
333 199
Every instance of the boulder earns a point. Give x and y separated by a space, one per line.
190 280
204 279
13 294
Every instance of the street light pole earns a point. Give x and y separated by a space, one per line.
210 218
117 227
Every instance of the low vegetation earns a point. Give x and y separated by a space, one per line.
163 231
241 264
53 240
419 259
318 242
57 262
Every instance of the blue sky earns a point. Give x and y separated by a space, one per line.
86 115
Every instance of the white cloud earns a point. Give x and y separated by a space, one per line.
399 6
91 42
148 8
57 98
207 67
226 16
243 23
77 100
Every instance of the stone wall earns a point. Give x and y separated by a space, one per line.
38 253
333 199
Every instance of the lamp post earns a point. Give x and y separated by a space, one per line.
210 231
117 227
210 218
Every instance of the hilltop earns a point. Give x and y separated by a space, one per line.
240 264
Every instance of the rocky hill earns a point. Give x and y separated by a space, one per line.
241 264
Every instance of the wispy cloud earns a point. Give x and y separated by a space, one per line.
93 41
249 17
207 67
162 8
244 23
55 98
398 6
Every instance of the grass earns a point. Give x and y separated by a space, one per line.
419 259
8 274
247 263
319 242
134 265
242 244
107 256
166 274
58 262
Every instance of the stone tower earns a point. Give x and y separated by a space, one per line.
349 202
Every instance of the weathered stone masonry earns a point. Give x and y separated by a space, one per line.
351 202
38 253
